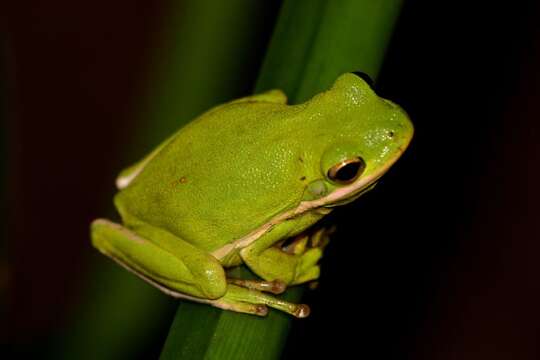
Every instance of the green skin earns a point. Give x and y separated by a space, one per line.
232 185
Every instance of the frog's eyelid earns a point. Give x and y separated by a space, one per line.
347 171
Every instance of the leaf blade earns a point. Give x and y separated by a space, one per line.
314 42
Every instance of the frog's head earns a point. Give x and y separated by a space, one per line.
359 137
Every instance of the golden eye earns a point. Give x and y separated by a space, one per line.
347 171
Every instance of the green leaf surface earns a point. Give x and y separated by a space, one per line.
314 41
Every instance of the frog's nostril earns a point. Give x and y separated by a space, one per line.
391 134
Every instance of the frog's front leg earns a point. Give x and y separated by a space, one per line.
295 264
181 270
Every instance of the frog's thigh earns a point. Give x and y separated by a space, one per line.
183 269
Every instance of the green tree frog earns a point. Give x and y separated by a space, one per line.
243 184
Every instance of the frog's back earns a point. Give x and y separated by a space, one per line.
221 176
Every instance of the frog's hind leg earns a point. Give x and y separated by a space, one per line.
184 269
181 270
239 297
274 287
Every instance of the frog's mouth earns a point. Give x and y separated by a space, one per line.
353 197
351 192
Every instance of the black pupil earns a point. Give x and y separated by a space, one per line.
348 172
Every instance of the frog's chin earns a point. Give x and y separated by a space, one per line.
352 196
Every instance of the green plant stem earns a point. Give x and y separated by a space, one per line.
314 41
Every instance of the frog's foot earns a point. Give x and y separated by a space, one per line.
308 268
317 237
274 287
251 301
239 299
321 237
309 246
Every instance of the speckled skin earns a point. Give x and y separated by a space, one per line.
240 165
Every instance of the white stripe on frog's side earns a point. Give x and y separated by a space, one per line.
303 207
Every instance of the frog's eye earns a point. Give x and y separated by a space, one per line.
347 171
365 77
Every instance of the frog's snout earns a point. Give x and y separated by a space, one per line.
402 130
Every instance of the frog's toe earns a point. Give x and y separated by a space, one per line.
274 287
321 237
311 258
237 295
303 311
308 269
240 306
309 274
296 245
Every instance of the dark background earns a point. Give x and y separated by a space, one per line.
438 262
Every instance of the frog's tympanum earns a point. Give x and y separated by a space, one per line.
243 184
